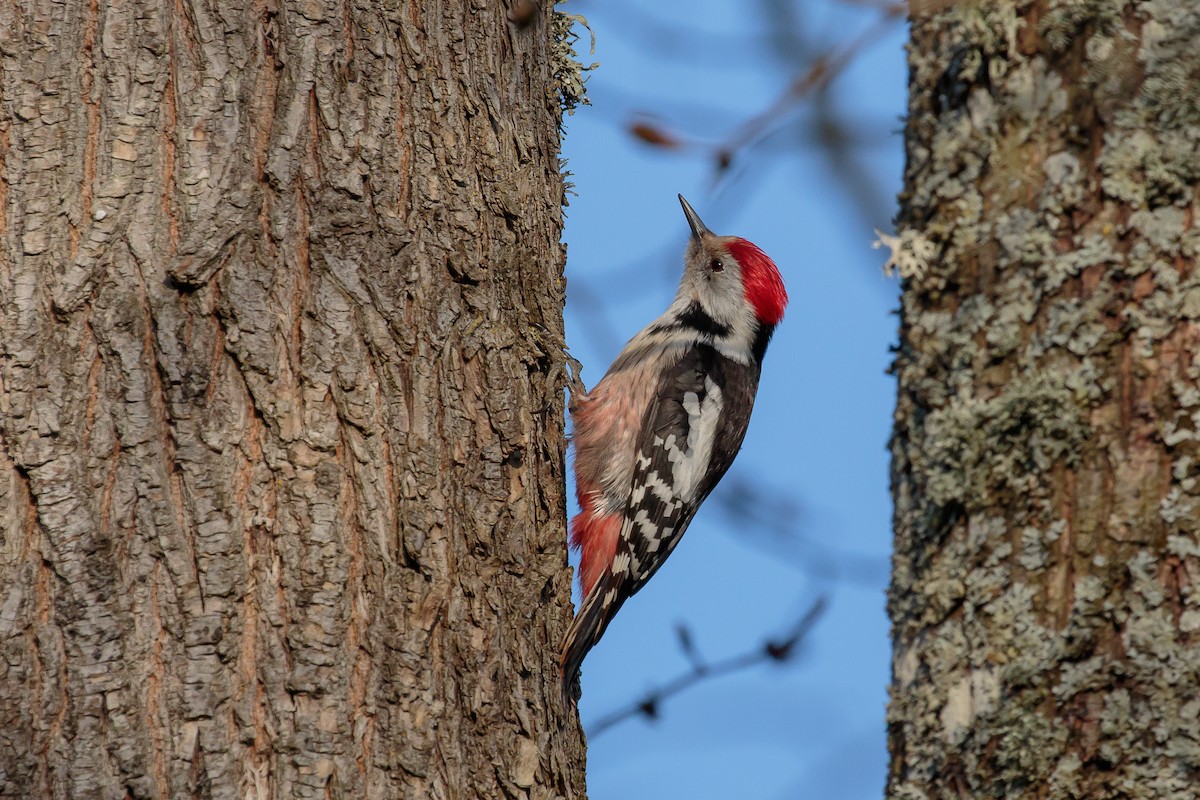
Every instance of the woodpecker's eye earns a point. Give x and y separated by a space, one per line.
716 266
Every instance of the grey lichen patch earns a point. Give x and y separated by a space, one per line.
1065 21
1151 155
1067 180
1180 510
1064 781
1024 236
1047 448
1161 668
1148 158
1006 329
570 74
1076 327
1146 170
991 27
1033 549
1168 41
987 711
1083 676
1162 229
1026 742
1037 91
1090 250
1008 624
976 450
1089 384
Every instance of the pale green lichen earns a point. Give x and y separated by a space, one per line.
1064 780
570 79
1091 250
1023 235
1168 40
975 447
1033 550
1039 533
909 254
1065 22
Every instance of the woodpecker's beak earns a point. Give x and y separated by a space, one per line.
698 226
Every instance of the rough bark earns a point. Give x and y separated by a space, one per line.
281 442
1046 588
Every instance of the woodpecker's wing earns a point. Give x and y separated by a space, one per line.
694 429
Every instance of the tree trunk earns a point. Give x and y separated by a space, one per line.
1046 593
281 444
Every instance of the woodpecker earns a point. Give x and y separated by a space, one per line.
659 430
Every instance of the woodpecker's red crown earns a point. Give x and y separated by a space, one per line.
761 279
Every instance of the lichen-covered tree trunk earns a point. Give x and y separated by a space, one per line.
281 446
1046 594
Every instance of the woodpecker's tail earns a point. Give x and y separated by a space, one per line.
589 625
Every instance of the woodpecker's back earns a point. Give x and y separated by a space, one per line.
659 430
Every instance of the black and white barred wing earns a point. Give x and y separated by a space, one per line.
689 440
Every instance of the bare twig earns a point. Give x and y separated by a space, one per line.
818 75
771 650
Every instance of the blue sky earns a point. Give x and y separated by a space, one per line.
814 727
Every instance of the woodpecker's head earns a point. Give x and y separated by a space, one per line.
731 278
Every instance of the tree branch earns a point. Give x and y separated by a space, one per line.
818 75
771 650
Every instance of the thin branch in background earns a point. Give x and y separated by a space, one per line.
778 650
818 76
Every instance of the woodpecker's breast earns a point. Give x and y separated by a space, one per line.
606 422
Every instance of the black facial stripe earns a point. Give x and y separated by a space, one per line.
698 319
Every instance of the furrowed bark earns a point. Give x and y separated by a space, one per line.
281 442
